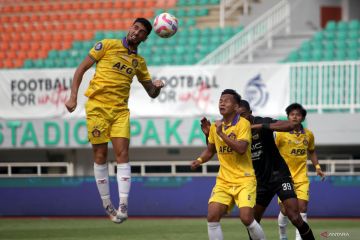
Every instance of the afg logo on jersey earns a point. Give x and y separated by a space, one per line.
298 151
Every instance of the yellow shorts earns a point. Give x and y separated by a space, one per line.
105 122
244 195
301 190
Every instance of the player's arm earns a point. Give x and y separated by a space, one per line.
277 125
205 128
315 161
153 87
238 146
204 157
78 76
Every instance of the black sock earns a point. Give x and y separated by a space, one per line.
305 232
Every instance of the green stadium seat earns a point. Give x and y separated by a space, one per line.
353 45
63 54
293 57
305 56
53 54
203 2
40 63
77 45
214 2
330 35
190 22
181 3
28 64
316 45
202 12
206 32
341 44
49 63
317 55
318 36
342 26
330 26
99 36
191 12
195 32
193 41
354 34
217 31
305 46
328 55
341 35
354 25
180 13
353 55
329 45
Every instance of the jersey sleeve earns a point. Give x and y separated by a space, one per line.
244 130
99 49
269 120
142 72
277 139
211 137
311 141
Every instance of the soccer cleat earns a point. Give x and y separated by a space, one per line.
111 211
122 212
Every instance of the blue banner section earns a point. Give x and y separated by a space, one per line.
156 196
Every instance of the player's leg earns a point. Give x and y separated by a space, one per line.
120 135
101 173
290 207
245 198
123 175
215 212
282 222
98 133
258 213
302 192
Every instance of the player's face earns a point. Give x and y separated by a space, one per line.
137 33
295 116
227 104
244 113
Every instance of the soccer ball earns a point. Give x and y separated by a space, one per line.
165 25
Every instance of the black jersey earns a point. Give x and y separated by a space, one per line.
267 161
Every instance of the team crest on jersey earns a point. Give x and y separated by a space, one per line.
98 46
255 136
96 132
306 142
135 63
232 136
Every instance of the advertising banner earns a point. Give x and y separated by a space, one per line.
189 91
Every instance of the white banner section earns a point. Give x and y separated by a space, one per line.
189 91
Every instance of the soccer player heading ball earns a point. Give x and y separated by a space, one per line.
107 112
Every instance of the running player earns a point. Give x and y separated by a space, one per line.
295 147
230 138
107 114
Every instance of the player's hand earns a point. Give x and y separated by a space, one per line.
195 164
71 105
218 125
320 174
205 126
158 84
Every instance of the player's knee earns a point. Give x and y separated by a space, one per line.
122 156
213 217
295 218
246 219
303 209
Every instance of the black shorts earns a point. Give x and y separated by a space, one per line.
282 186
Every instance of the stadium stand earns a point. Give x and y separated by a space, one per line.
339 41
59 34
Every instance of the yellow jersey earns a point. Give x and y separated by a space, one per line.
234 167
294 147
116 65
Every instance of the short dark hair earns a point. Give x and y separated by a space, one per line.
236 96
245 104
296 106
144 22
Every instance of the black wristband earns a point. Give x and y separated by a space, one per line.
266 125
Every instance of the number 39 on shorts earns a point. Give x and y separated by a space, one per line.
286 186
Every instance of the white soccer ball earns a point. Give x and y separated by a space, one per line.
165 25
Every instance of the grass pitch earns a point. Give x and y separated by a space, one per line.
157 229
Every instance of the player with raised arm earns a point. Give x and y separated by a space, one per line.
107 114
272 174
230 138
295 146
